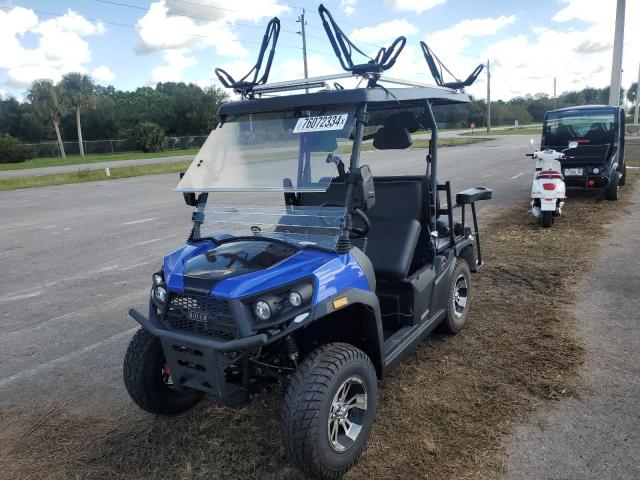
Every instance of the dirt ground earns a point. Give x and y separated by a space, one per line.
443 413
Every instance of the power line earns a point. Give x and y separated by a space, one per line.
106 22
192 17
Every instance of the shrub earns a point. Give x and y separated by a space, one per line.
12 150
149 137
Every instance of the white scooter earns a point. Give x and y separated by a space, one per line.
548 191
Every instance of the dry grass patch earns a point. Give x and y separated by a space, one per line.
443 413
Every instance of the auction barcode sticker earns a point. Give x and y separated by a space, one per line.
322 123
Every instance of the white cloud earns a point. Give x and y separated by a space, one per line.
458 37
60 45
348 6
176 61
103 74
195 26
591 11
577 55
384 32
417 6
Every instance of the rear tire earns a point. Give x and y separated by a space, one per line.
313 436
148 381
458 300
613 189
547 219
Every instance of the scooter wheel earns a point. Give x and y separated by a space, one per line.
547 219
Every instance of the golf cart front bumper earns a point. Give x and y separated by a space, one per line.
198 362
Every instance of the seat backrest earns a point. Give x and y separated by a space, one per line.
395 226
395 220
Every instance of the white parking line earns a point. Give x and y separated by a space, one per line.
488 175
516 176
146 242
24 296
144 220
43 367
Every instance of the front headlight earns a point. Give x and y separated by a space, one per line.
295 299
160 294
262 310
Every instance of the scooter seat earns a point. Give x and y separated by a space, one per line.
549 175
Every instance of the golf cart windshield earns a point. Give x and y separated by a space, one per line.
587 127
286 151
247 164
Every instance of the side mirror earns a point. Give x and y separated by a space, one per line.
189 197
573 144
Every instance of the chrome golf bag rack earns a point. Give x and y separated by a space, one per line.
437 67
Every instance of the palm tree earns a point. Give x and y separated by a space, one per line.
79 91
48 105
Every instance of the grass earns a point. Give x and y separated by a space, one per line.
14 183
445 413
94 158
534 131
90 175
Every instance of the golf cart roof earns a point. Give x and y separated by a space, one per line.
375 97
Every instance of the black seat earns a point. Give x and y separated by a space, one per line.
472 195
395 223
395 227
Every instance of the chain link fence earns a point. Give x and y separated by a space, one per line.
50 149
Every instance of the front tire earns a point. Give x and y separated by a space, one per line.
329 410
547 219
613 189
458 300
148 380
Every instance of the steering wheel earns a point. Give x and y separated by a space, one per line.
355 232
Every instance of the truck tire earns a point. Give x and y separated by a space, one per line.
623 175
547 219
613 189
148 381
333 393
458 300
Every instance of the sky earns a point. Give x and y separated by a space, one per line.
132 43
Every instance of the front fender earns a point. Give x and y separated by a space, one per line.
369 321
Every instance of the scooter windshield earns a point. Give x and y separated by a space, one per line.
286 151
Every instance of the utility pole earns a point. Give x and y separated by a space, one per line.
616 65
488 98
302 32
555 98
635 114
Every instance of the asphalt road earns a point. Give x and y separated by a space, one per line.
75 258
27 172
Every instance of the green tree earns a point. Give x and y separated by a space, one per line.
48 105
632 93
79 90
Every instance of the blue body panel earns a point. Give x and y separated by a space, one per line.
332 273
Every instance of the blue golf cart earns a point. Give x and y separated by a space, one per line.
303 268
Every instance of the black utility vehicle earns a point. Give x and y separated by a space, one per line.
597 163
303 269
